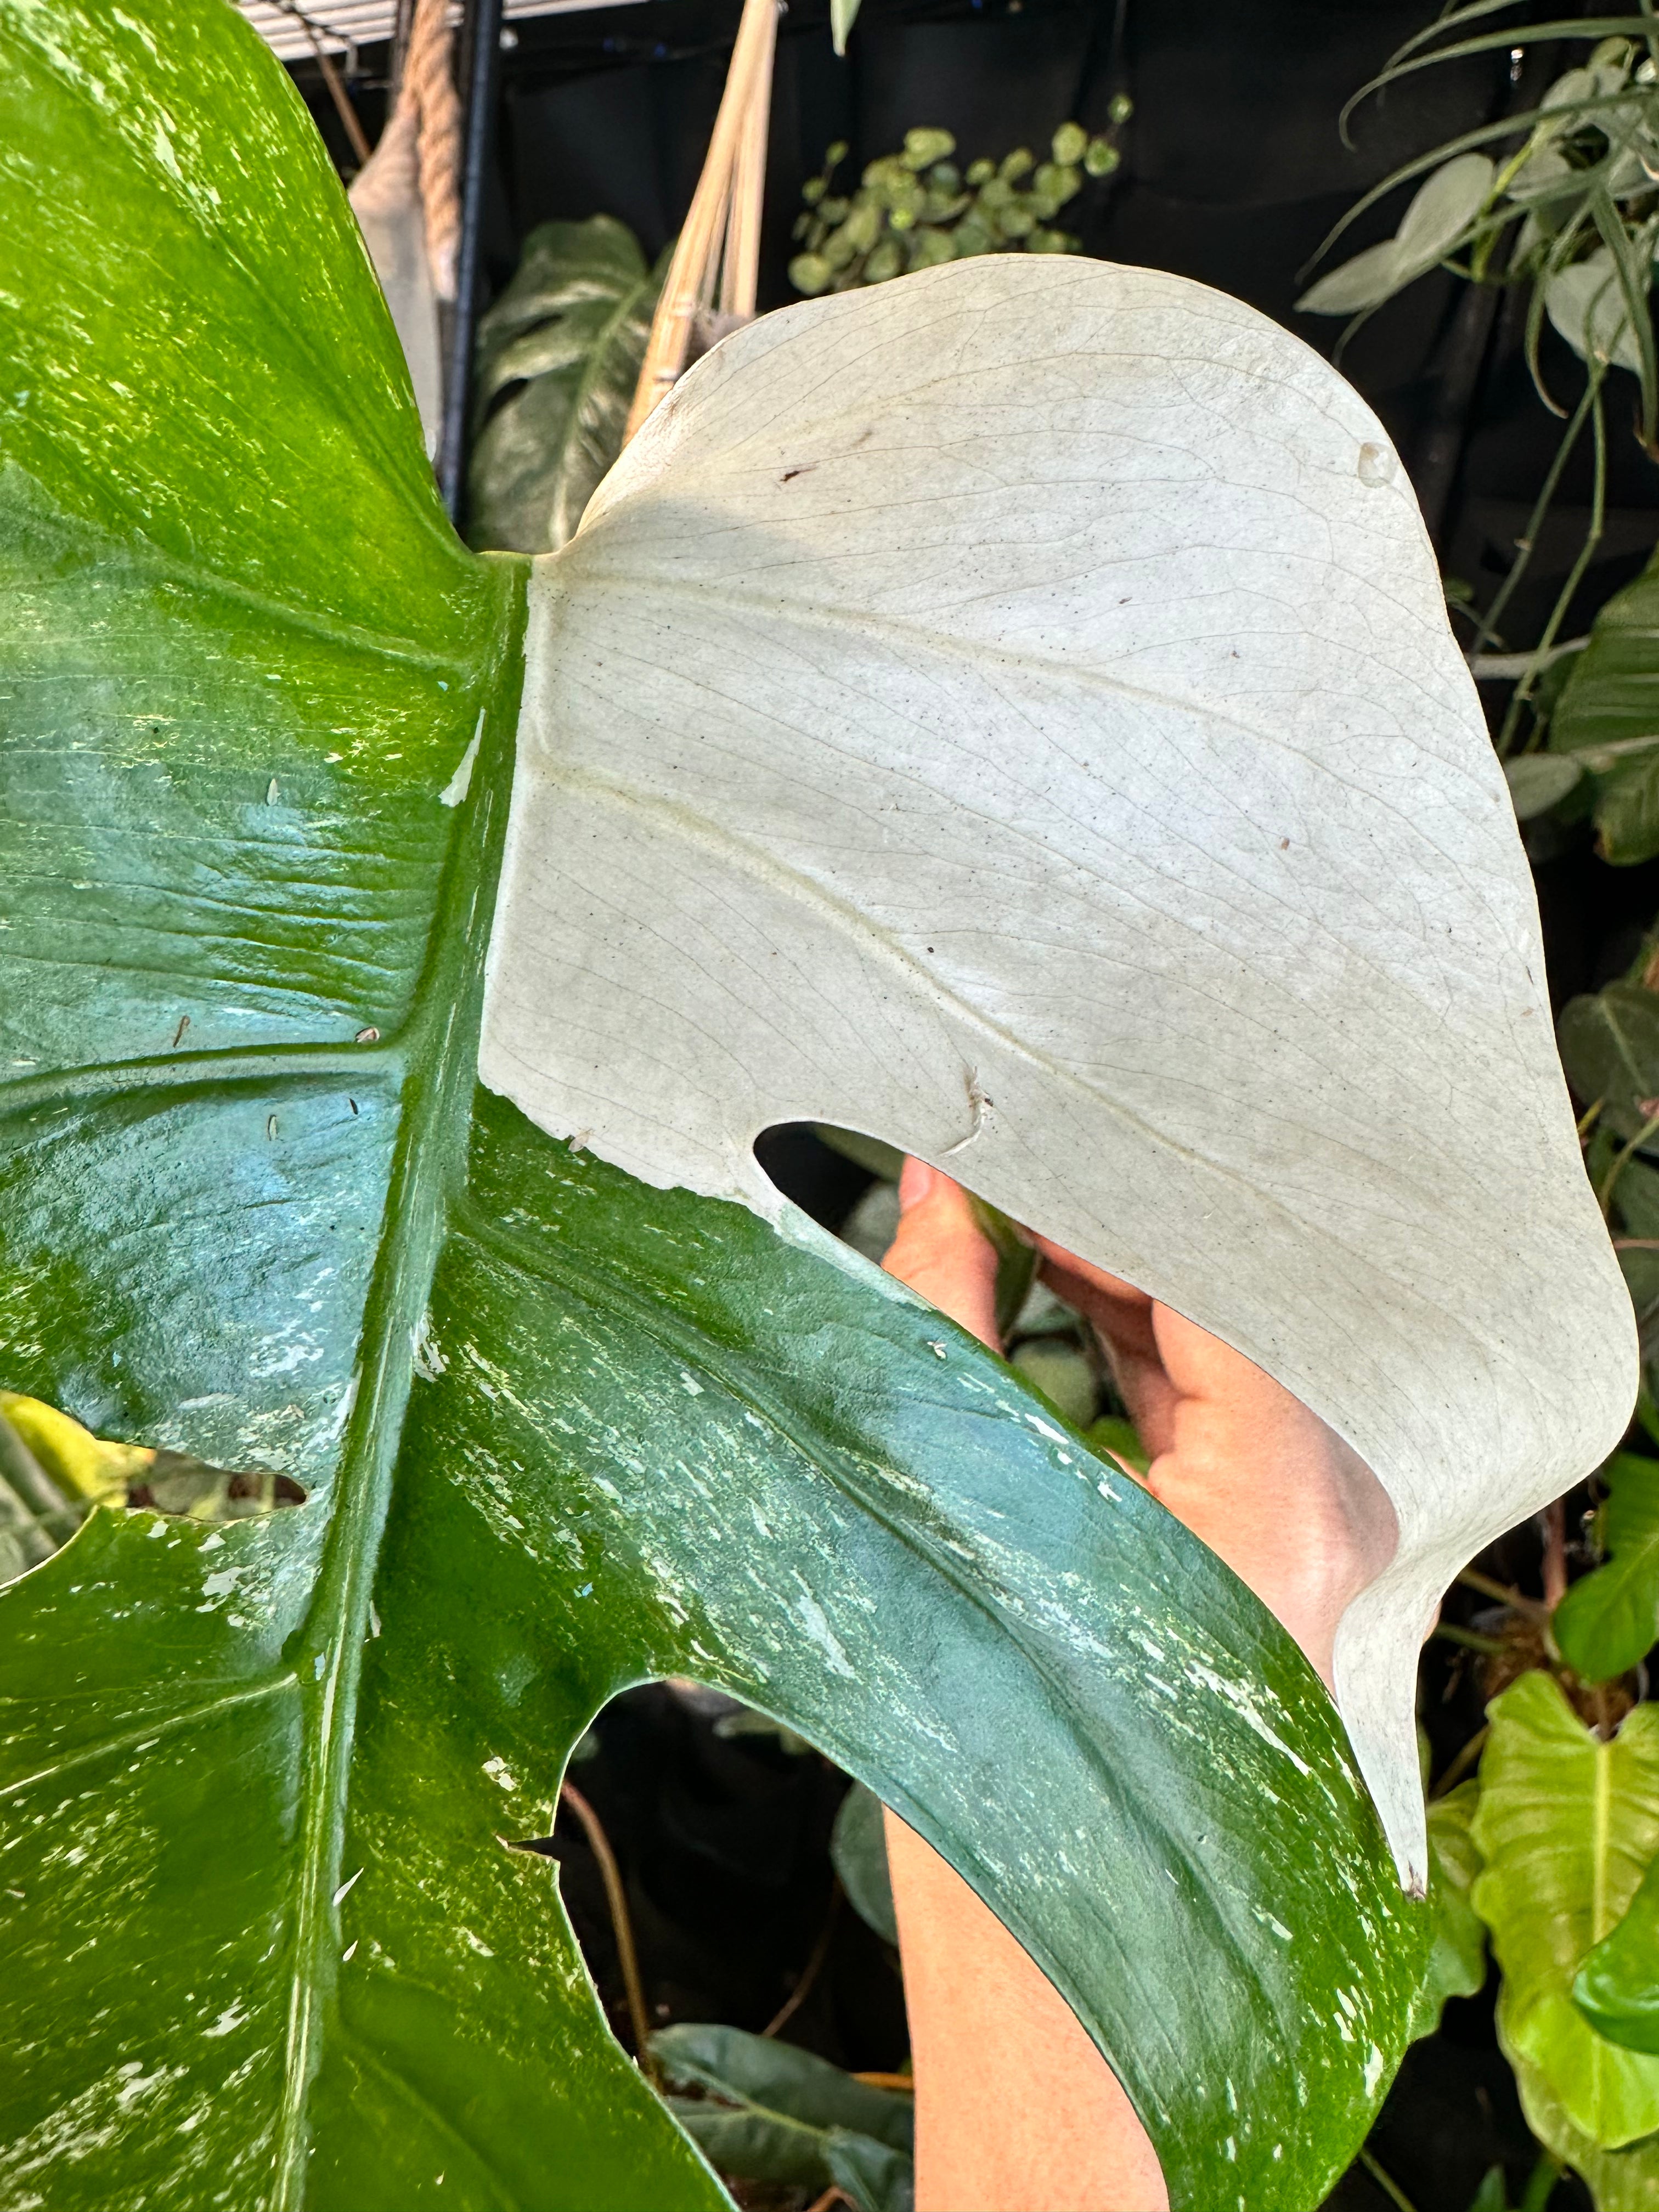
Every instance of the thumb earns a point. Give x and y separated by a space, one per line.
941 1252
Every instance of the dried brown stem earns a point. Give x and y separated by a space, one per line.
814 1966
621 1926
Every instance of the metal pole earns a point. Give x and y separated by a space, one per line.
482 39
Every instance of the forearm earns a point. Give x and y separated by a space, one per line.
1016 2110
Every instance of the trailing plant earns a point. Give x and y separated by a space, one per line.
918 208
402 950
1560 201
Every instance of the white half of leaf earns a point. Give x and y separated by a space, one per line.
1011 711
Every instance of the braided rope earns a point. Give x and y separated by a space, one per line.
429 86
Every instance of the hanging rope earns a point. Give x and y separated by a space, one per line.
429 79
428 91
711 282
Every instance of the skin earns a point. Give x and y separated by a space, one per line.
1016 2110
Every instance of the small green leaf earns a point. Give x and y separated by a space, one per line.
1439 214
858 1848
1566 1825
1617 1988
1457 1959
1608 1621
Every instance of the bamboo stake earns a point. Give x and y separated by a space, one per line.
718 256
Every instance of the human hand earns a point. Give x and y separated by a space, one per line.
1016 2110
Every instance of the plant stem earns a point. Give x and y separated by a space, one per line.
620 1927
1489 621
1461 1765
1554 1517
1604 1196
1385 2181
1472 1578
809 1973
1523 689
1468 1638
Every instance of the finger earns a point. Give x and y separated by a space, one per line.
942 1253
1294 1511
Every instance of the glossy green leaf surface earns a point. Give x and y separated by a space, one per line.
1608 1621
1609 712
1617 1988
1566 1826
267 1940
558 356
1457 1956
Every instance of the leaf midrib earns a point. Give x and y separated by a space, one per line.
439 1051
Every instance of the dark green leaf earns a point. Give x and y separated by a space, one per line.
1608 712
1617 1988
858 1846
1610 1050
797 2118
564 344
267 1938
875 2178
1608 1621
758 2069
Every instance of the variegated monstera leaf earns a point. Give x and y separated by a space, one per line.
1010 711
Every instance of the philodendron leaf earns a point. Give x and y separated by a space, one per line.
1566 1825
1617 1988
1608 715
564 343
1457 1955
1609 1622
1021 603
1036 603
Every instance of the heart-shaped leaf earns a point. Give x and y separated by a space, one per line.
1566 1825
267 1937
